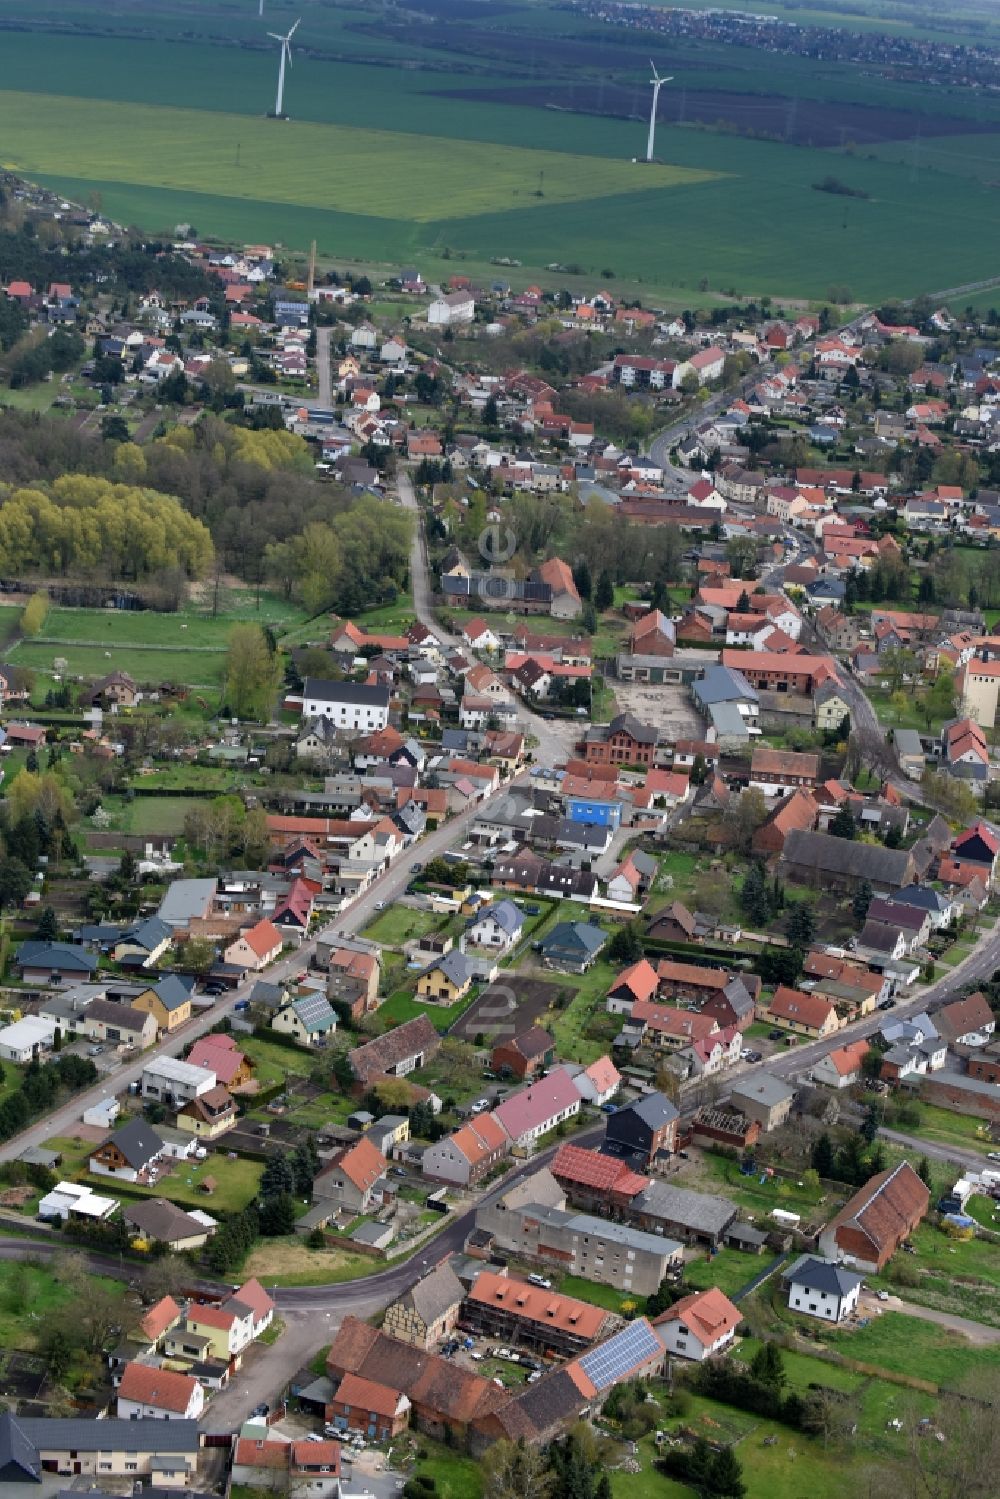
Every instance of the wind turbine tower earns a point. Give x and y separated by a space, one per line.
657 83
286 56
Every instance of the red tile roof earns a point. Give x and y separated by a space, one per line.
162 1388
535 1304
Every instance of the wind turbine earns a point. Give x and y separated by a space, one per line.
657 83
286 54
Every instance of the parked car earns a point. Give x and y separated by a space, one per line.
775 1035
886 1004
540 1280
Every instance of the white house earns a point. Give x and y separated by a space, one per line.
455 307
19 1041
348 705
497 927
598 1083
699 1326
147 1393
822 1288
173 1081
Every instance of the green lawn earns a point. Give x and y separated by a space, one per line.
274 1061
723 1176
730 1270
951 1275
906 1345
455 1476
399 924
607 1296
569 1024
237 1183
403 1006
149 668
948 1128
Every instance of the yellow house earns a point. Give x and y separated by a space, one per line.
225 1330
447 980
209 1115
169 1003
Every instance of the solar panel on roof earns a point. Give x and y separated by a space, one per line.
621 1354
312 1009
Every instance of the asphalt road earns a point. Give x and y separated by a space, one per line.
555 737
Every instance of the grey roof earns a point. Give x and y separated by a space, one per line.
57 1433
17 1451
738 996
923 897
172 992
763 1088
122 1016
436 1294
723 684
506 915
616 1233
160 1219
357 693
823 1275
575 934
655 1110
745 1233
455 966
61 955
148 933
186 899
315 1012
138 1142
692 1210
907 742
728 721
828 855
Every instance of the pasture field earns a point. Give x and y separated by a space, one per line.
374 173
147 667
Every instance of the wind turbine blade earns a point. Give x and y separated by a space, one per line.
293 30
288 53
276 37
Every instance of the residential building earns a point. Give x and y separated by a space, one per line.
352 706
515 1312
625 741
308 1019
643 1130
166 1453
523 1055
573 945
376 1411
147 1393
255 948
209 1115
470 1153
219 1052
538 1108
171 1081
157 1221
802 1013
699 1326
609 1253
871 1226
428 1311
777 772
128 1153
169 1003
841 1068
350 1182
966 1022
822 1288
497 926
447 980
763 1098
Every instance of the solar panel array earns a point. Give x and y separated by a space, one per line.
616 1358
312 1009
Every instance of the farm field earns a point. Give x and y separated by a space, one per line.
376 173
435 143
147 667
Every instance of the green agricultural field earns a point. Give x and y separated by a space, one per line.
374 173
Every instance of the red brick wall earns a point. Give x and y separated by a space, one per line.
982 1106
984 1069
